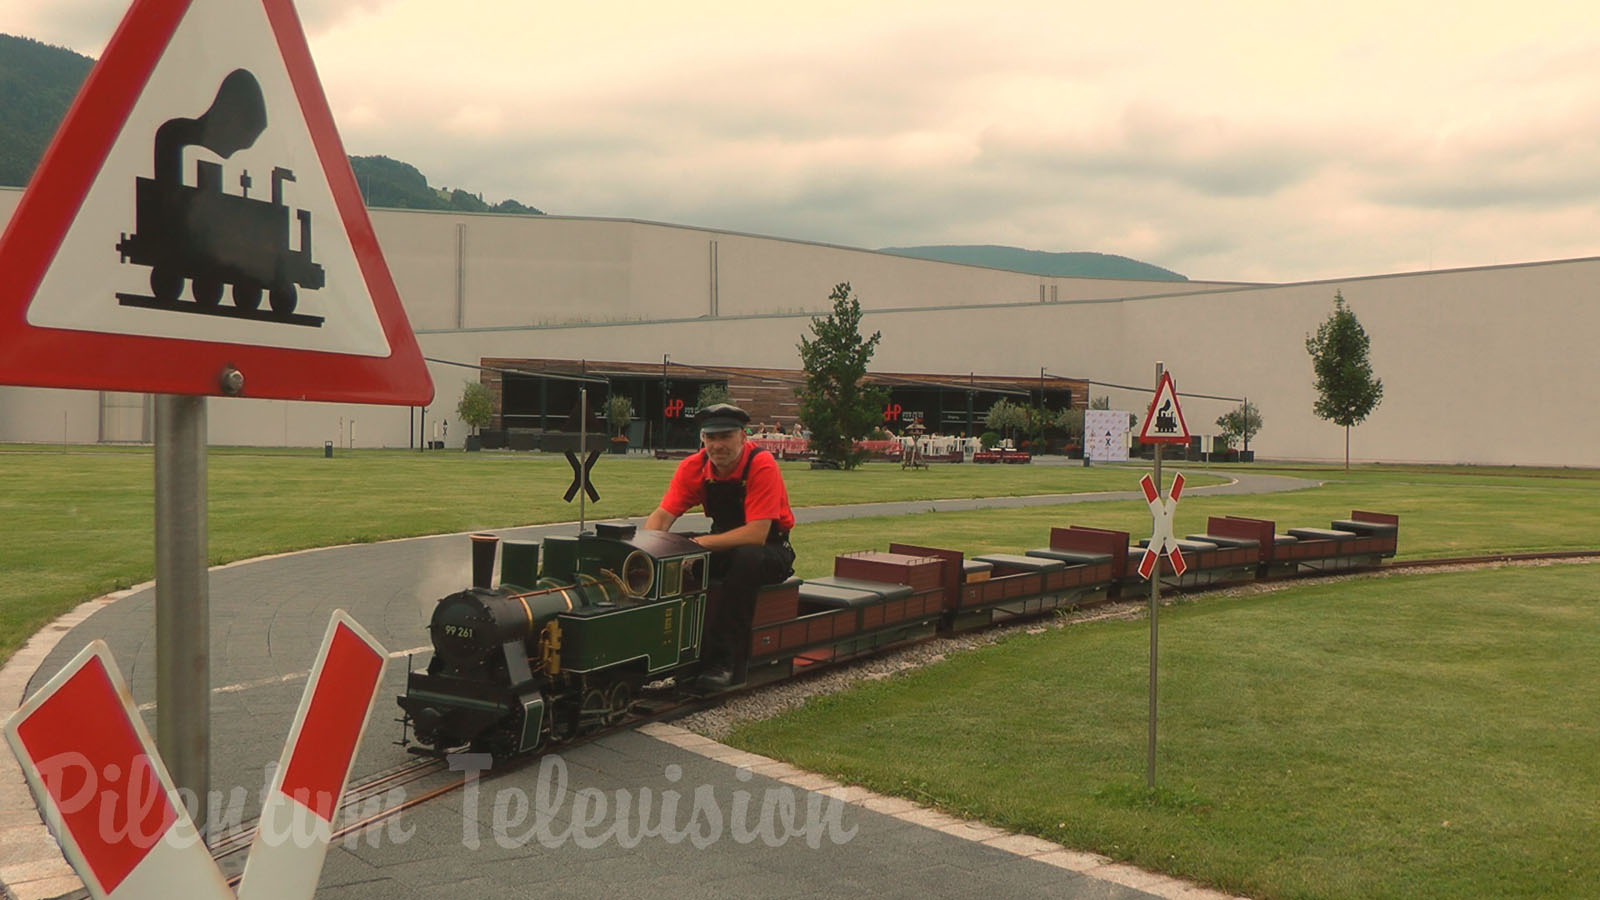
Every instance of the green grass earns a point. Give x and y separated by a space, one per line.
1428 736
79 521
1447 513
1315 741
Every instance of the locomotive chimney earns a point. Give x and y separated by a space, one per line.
483 548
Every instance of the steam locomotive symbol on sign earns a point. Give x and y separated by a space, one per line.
214 239
1165 423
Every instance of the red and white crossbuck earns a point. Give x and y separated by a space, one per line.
1162 539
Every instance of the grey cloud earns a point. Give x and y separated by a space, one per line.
1522 165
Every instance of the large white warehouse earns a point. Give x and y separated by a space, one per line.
1488 365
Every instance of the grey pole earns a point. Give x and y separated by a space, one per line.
583 453
1155 601
183 633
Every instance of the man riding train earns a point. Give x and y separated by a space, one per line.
743 494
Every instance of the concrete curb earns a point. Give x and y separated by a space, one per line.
1090 865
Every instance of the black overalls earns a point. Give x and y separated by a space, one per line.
741 571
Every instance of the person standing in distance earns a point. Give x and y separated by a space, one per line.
743 494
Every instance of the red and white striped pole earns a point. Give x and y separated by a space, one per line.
103 790
297 815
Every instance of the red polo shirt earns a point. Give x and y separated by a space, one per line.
765 497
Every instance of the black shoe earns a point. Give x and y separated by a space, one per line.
719 678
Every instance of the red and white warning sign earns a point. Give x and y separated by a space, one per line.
196 213
1163 421
1162 539
104 792
297 813
108 799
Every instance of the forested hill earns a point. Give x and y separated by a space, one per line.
1039 262
38 82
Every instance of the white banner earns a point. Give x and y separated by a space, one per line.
1105 435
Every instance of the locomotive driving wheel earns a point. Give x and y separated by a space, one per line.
618 700
283 298
596 710
207 291
165 283
247 295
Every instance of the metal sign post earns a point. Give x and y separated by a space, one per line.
1155 605
583 450
183 638
1163 423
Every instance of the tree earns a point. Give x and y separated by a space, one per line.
619 412
1240 423
1104 402
712 394
836 407
1347 391
1006 417
477 406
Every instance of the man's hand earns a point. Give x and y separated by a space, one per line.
753 533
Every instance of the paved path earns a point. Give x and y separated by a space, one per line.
267 618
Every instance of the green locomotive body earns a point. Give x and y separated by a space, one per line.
517 665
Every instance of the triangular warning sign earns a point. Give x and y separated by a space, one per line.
1163 421
196 214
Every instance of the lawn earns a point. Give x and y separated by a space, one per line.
1409 736
79 521
1420 736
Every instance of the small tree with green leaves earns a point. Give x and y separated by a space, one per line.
1006 417
1104 402
619 412
1241 423
1346 389
836 405
712 394
477 406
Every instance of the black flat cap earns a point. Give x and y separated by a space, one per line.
721 417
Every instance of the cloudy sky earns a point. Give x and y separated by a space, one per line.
1258 141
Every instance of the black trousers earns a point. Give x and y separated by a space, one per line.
742 571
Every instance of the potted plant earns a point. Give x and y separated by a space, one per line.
619 414
477 410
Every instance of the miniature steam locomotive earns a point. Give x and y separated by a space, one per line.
547 657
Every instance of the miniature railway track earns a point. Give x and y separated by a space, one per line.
362 806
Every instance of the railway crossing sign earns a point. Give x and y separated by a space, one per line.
1162 539
580 476
103 790
297 815
109 801
195 228
1163 421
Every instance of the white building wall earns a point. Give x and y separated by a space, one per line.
1479 365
